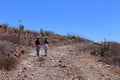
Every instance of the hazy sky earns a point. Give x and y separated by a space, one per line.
91 19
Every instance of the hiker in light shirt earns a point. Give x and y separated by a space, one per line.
46 45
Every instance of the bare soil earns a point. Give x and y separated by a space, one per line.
61 64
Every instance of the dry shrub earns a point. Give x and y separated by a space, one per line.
8 63
10 37
76 38
15 30
34 33
115 48
24 42
115 61
109 52
5 48
4 26
13 38
45 32
71 36
102 50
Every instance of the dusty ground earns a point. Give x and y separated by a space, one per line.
62 63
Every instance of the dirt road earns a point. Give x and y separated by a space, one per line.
61 64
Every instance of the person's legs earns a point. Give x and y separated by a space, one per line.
45 52
37 50
46 48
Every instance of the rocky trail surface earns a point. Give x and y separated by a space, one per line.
62 63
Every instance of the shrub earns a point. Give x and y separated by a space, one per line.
35 33
5 26
71 36
115 48
24 42
42 32
13 38
76 38
7 63
10 37
15 30
102 50
109 52
5 48
110 49
45 32
21 27
116 60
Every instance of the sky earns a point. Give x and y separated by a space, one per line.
95 20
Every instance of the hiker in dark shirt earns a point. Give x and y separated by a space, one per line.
37 45
46 45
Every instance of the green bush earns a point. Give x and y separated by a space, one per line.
21 27
42 32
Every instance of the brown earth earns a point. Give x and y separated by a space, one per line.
62 63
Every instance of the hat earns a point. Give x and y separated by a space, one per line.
46 37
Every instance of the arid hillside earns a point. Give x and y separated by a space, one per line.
69 57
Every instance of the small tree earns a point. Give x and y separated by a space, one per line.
42 32
47 33
21 28
5 26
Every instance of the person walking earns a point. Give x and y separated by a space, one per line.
37 45
46 45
